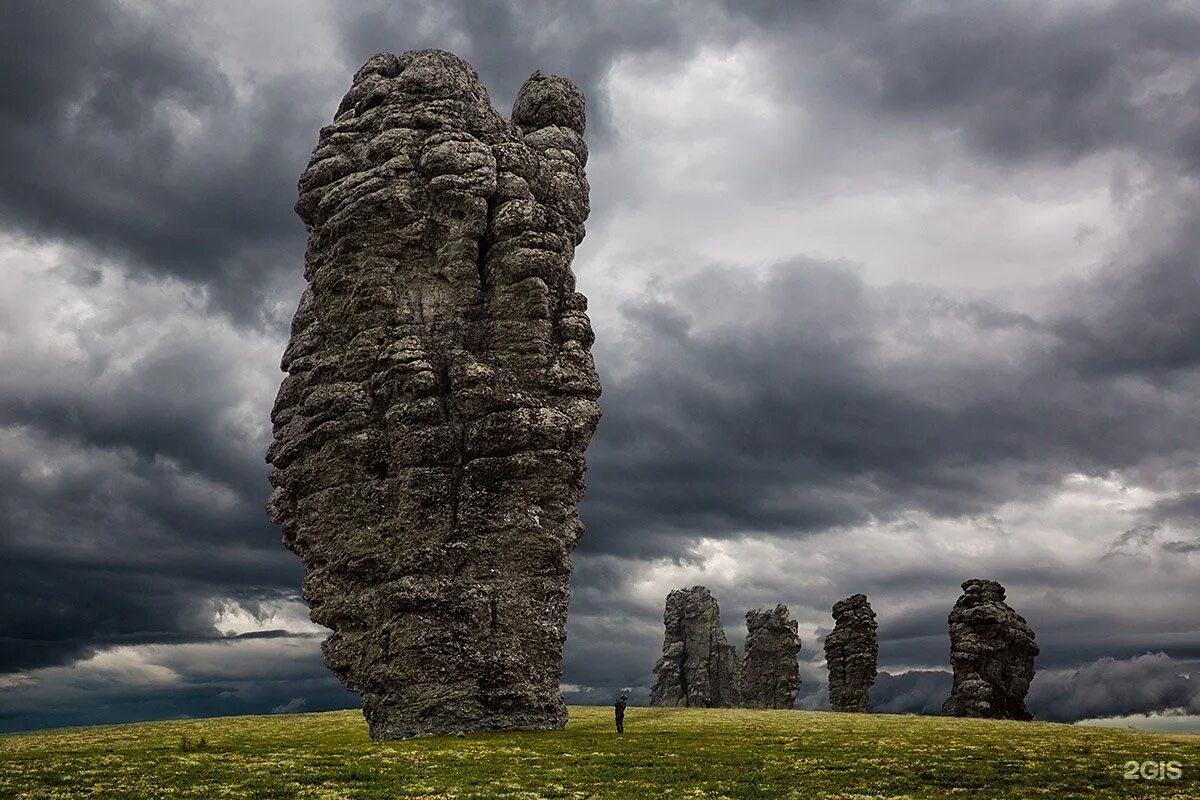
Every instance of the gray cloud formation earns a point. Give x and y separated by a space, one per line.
118 132
131 683
1017 80
1109 688
1151 683
772 405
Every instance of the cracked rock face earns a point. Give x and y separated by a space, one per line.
851 654
698 667
429 435
992 651
770 672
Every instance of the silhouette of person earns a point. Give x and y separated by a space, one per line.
619 706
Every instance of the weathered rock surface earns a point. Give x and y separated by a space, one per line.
697 663
429 435
770 672
852 654
992 651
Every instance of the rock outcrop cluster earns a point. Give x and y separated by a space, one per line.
698 666
430 432
851 654
992 651
770 672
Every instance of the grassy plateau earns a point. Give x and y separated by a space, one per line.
664 753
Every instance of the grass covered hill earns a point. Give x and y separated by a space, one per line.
665 753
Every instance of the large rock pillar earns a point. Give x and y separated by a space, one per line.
770 672
698 666
851 654
992 651
429 435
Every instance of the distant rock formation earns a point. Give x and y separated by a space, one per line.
770 672
992 652
851 654
429 435
698 667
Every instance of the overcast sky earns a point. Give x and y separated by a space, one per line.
888 294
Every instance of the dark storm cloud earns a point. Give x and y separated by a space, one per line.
1067 634
1141 314
1182 508
1056 604
719 421
133 496
506 40
202 679
1151 682
58 610
55 613
779 411
1019 80
59 607
1178 516
118 133
142 408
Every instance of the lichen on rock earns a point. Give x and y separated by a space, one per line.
992 651
440 393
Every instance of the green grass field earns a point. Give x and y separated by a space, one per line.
665 753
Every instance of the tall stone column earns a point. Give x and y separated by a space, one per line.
440 394
770 672
851 654
698 666
992 651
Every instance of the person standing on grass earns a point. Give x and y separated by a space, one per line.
622 701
